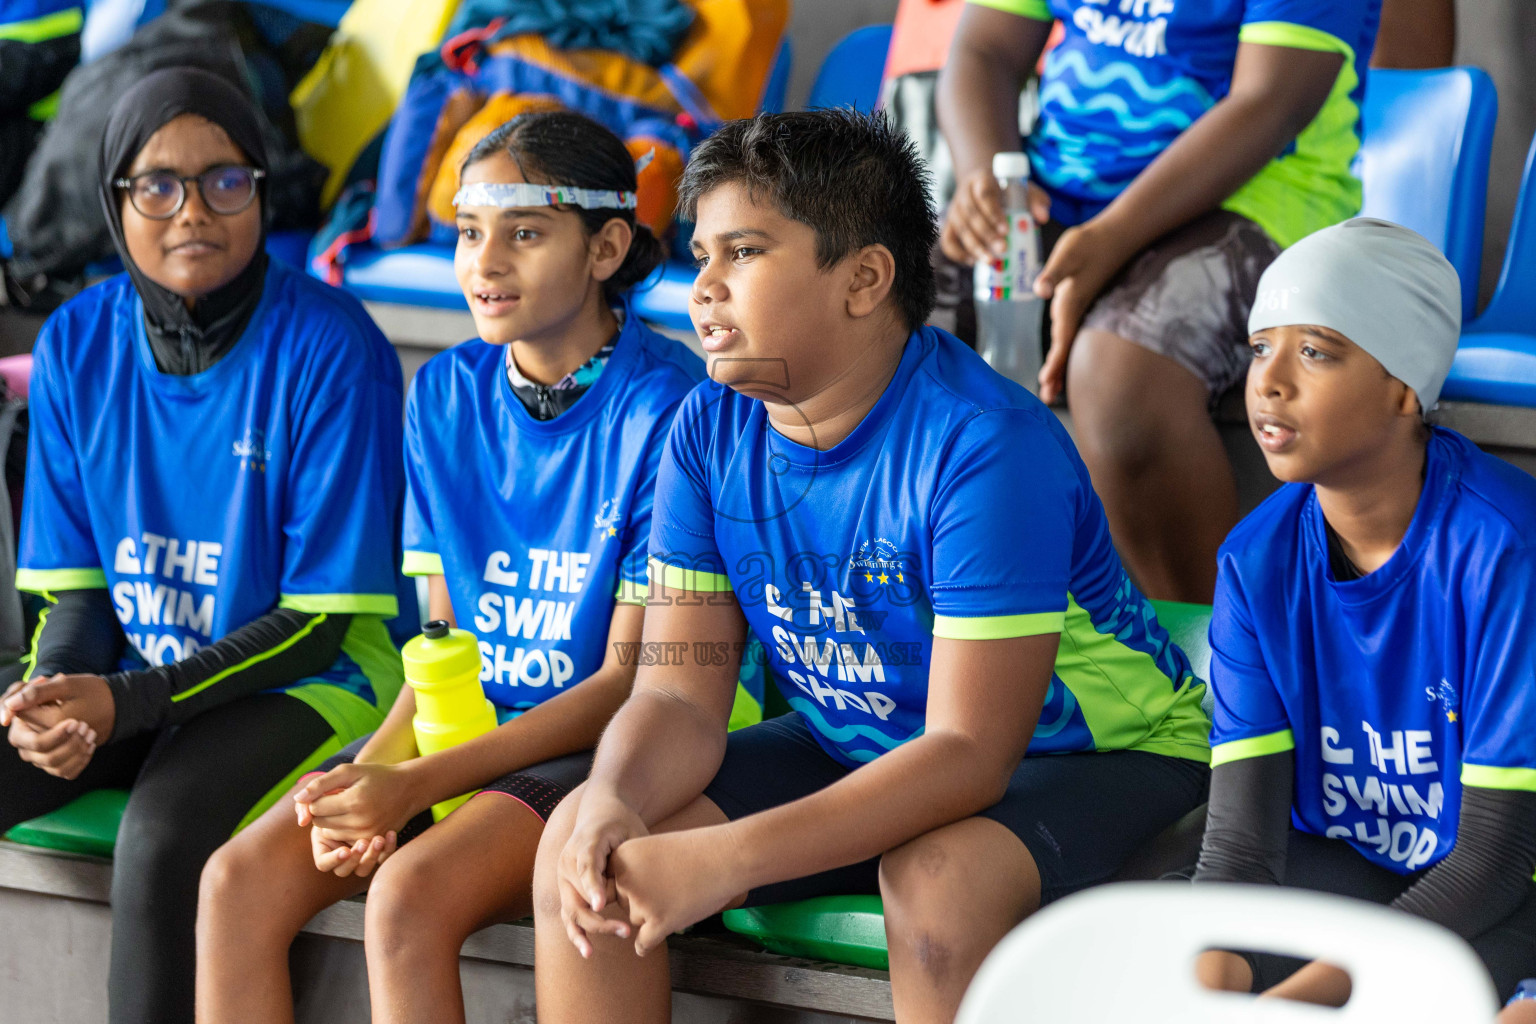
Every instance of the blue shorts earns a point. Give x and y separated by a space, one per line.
1079 815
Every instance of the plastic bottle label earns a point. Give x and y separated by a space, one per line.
1011 276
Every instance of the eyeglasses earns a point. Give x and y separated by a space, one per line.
160 195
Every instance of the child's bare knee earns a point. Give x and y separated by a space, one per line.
235 866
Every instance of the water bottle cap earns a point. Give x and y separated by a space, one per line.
440 653
1010 165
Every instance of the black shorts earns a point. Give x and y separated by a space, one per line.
538 787
1079 815
1508 949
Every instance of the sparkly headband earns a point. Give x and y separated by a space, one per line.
523 194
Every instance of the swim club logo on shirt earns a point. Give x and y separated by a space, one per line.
145 603
1359 798
606 522
825 660
529 618
1450 703
252 451
1140 27
879 562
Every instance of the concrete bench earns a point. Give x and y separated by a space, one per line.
56 931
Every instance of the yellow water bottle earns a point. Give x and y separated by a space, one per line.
443 667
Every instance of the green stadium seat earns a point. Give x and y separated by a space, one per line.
87 824
851 929
1188 625
842 929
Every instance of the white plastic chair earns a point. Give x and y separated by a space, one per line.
1127 952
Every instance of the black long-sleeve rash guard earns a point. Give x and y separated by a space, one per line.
81 634
1484 879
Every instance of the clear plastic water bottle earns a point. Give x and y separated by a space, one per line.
1010 318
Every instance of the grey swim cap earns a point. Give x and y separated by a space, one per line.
1382 286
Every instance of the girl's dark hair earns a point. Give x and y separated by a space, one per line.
561 148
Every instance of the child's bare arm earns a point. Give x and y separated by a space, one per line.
990 59
1276 92
984 701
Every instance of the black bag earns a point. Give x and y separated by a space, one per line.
55 221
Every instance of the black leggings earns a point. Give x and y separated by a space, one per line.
1508 949
191 786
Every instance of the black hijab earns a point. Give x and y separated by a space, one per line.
185 341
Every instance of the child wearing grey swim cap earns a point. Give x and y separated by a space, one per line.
1372 650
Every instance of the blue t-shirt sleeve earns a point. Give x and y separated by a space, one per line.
339 517
422 557
1499 741
1250 719
683 544
1307 24
1004 524
58 547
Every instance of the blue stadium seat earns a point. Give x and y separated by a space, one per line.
1496 360
1424 160
109 23
851 74
416 275
422 275
777 86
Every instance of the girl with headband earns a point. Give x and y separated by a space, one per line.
530 457
212 485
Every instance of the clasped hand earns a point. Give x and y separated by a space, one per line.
354 813
1083 261
618 879
57 722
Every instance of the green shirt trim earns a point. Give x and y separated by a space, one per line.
631 592
1310 186
45 27
46 108
384 605
367 642
1039 10
998 627
423 563
1254 746
1298 37
1489 777
255 659
675 577
1128 702
41 581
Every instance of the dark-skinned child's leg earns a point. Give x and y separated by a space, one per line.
614 986
257 891
1157 462
470 870
950 896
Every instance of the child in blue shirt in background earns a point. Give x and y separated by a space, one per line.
531 454
987 715
1180 145
1373 656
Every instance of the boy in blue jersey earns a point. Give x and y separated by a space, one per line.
978 691
1373 655
1180 145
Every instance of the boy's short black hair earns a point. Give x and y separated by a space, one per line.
855 179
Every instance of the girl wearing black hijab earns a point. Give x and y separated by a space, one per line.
213 481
